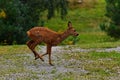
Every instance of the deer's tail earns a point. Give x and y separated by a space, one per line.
28 33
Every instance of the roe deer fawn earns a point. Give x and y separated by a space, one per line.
51 38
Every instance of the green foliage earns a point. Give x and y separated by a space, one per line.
13 26
18 16
112 25
113 10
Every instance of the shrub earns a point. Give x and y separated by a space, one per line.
112 25
111 29
18 16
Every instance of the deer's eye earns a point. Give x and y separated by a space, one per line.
74 30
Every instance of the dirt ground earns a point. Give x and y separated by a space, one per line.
25 67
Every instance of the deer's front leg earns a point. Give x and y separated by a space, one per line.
49 52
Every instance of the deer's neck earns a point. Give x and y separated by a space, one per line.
63 36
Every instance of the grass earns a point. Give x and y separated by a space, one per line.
101 65
86 21
83 19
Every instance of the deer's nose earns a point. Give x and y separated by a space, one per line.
77 34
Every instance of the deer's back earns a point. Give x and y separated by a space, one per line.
41 32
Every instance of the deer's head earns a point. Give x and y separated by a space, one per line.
71 30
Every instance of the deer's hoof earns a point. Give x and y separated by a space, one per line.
36 58
51 64
42 59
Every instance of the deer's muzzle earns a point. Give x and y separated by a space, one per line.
76 34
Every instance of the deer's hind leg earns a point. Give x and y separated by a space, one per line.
32 44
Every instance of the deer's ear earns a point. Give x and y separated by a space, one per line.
69 24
